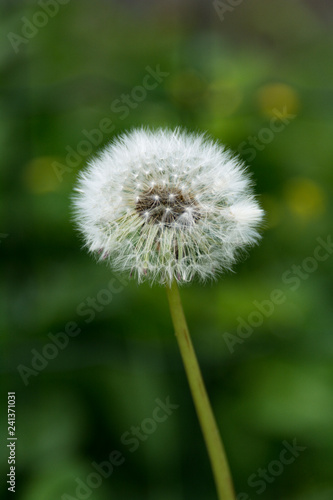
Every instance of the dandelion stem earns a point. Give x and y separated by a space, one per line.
205 414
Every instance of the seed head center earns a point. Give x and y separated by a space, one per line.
165 204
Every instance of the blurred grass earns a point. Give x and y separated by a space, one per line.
224 77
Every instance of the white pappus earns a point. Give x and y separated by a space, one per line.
167 204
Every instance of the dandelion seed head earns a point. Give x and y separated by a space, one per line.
164 205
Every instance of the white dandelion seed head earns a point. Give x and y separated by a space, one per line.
166 205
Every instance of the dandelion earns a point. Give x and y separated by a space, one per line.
167 205
170 206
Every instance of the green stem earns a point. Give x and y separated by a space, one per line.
205 414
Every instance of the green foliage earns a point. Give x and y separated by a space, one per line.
260 81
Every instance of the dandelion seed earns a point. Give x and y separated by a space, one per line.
186 209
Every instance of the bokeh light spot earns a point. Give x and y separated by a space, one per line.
39 175
304 197
278 96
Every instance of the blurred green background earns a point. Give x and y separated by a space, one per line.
257 75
